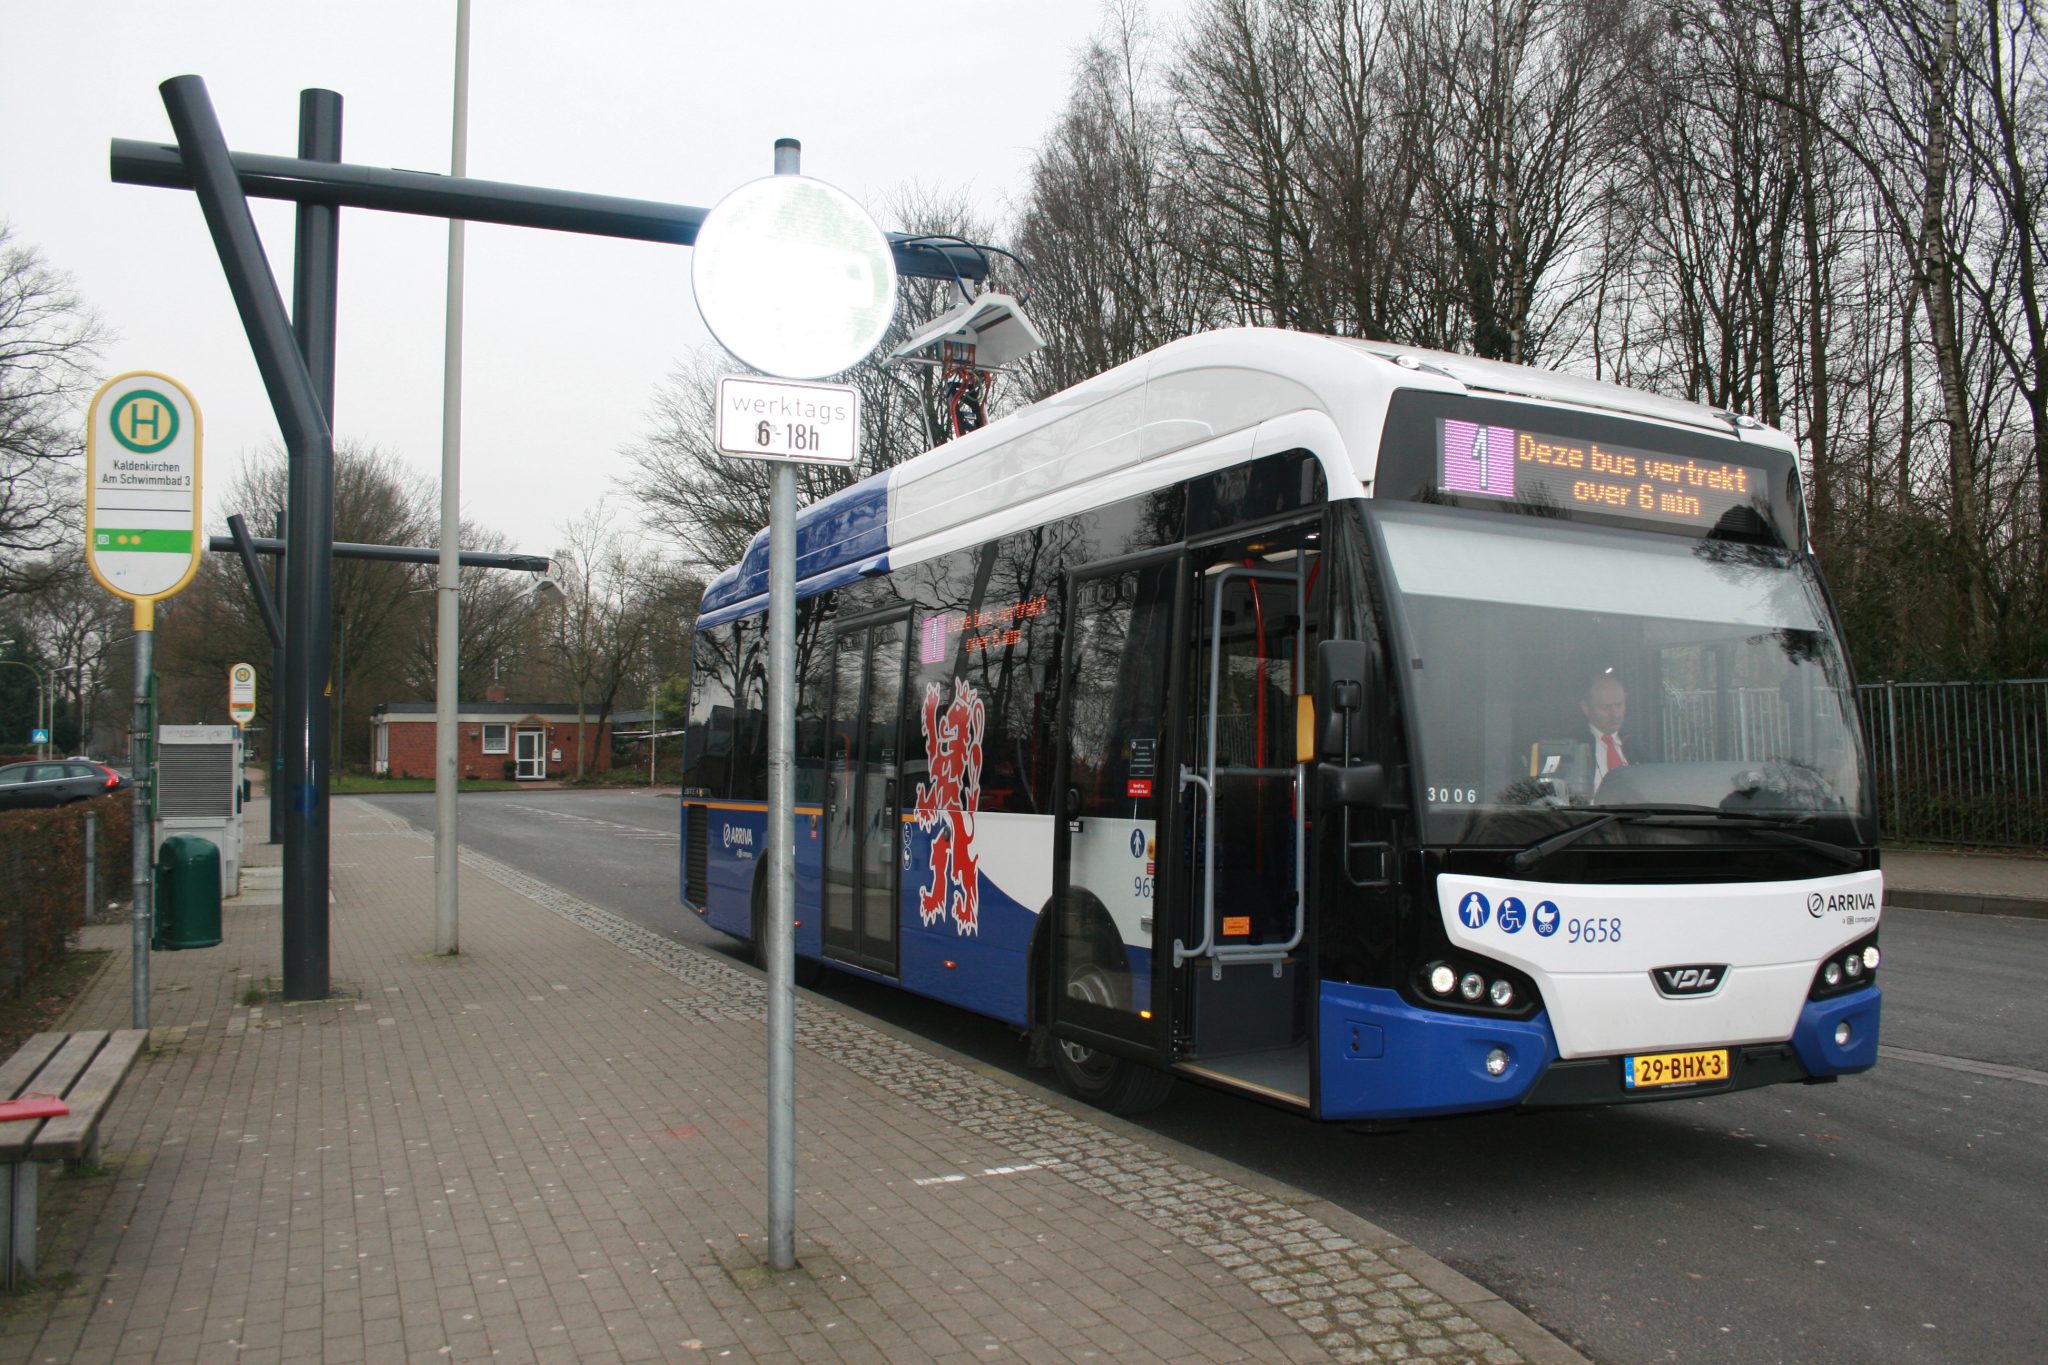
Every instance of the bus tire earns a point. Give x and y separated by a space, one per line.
1103 1079
809 971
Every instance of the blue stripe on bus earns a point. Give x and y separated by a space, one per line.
1384 1058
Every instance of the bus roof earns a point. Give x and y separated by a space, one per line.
1192 406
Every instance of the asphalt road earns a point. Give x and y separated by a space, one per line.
1895 1216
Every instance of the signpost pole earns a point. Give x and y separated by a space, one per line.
139 766
791 322
781 841
142 501
277 802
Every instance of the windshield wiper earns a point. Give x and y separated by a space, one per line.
1776 828
1544 847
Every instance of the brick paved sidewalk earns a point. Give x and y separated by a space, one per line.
549 1149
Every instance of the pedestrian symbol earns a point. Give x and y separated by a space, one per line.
1473 910
39 736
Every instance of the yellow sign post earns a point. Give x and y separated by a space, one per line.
142 542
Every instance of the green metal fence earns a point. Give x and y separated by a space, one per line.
1960 762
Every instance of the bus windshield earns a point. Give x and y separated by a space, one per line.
1564 669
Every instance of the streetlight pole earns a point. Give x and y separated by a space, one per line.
448 625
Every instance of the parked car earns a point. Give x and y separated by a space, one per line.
56 782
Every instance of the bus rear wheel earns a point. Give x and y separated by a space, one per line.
1103 1079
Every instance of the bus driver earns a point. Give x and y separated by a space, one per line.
1606 707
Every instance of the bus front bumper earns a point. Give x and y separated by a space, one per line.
1384 1058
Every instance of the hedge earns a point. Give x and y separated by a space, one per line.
42 879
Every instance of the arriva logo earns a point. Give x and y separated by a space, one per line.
1818 905
737 835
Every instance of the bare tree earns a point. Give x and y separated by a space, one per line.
1103 225
62 628
2004 104
597 637
1245 117
49 344
1513 103
383 613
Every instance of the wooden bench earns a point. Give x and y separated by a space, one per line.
82 1069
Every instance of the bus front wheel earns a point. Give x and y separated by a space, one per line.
809 971
1103 1079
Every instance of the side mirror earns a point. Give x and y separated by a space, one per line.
1341 670
1361 786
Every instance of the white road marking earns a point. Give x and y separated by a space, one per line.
991 1170
2002 1072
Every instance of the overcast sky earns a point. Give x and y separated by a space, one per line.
566 337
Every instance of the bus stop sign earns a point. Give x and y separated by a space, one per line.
142 538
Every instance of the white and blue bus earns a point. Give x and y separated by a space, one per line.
1247 714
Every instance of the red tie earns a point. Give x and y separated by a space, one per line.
1614 758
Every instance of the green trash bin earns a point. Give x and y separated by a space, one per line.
187 894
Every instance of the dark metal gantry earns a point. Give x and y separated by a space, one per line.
295 356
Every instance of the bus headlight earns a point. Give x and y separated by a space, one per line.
1457 982
1852 968
1497 1062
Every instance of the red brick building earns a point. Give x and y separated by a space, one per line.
530 741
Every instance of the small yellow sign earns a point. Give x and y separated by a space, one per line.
242 693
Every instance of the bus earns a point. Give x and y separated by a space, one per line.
1236 715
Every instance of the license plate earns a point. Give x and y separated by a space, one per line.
1674 1068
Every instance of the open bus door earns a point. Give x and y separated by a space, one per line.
1241 936
1103 992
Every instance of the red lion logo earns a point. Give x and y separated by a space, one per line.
947 804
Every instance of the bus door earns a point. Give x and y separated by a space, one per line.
1239 941
863 763
1117 793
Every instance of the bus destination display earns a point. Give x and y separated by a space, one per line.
1558 471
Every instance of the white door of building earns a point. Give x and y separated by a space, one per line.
530 754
